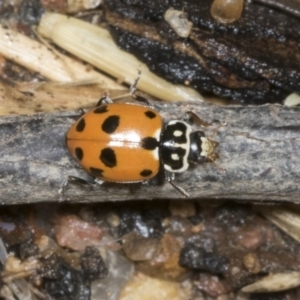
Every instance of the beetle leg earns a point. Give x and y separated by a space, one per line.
76 180
170 178
97 181
144 183
179 189
133 187
132 93
143 100
104 100
133 87
133 96
191 118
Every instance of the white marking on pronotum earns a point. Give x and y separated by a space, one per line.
175 156
178 133
185 146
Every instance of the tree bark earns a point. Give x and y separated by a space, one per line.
258 151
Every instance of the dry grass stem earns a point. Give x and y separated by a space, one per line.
94 45
274 283
39 58
286 220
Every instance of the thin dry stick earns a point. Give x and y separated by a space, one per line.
258 149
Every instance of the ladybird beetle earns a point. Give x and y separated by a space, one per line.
129 143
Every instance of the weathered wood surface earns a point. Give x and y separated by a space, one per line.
259 151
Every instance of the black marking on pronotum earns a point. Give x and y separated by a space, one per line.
149 143
150 114
79 153
169 133
146 173
101 109
110 124
108 157
166 156
80 125
96 172
196 147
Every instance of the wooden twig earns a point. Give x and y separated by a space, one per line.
258 150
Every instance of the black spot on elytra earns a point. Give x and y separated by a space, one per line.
101 109
80 125
149 143
96 172
79 153
110 124
146 173
150 114
108 157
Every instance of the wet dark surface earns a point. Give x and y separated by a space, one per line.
30 12
255 57
253 60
